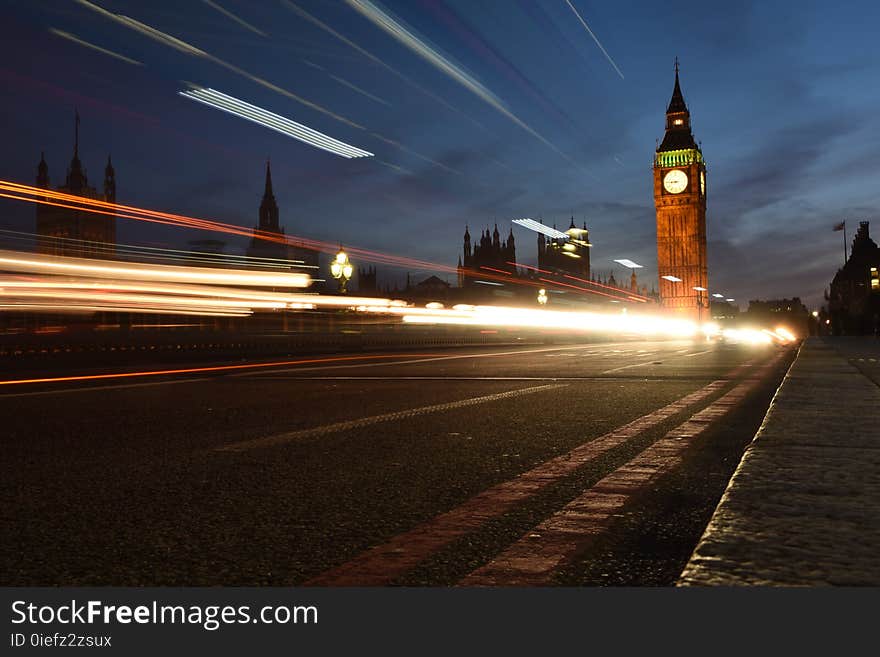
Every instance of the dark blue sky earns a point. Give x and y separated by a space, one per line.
784 97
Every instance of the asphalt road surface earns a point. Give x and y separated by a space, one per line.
590 464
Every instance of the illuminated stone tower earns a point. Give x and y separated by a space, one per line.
680 200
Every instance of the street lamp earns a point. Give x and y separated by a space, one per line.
341 269
699 290
542 297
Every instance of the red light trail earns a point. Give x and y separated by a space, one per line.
20 192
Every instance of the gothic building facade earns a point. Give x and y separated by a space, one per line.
680 201
566 255
491 253
78 233
277 250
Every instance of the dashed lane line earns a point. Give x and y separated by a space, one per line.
336 427
382 564
429 360
534 559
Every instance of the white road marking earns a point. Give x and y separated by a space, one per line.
626 367
336 427
120 386
698 353
410 361
681 354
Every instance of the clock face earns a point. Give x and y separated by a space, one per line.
702 183
675 181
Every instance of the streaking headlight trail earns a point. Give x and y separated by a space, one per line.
285 126
39 263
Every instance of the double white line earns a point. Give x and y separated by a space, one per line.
285 126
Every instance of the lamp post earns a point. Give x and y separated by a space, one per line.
542 297
341 269
700 291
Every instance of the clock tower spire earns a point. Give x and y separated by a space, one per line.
680 202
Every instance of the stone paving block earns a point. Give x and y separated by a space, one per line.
803 508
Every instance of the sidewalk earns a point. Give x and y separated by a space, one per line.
803 508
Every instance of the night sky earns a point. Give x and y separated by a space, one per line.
783 96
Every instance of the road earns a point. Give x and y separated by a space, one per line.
584 464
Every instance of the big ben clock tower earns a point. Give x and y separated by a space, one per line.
680 200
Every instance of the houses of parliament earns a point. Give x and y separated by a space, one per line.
81 233
69 232
679 172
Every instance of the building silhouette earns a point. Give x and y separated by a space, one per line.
569 255
854 295
277 250
490 253
366 280
680 201
771 313
70 232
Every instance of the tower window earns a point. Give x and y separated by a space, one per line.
677 122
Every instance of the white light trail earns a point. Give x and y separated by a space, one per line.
285 126
626 262
44 264
346 83
235 18
672 279
718 296
420 46
77 40
590 32
302 13
536 226
580 322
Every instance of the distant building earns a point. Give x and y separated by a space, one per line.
490 254
366 280
78 233
277 250
569 255
722 311
790 313
854 296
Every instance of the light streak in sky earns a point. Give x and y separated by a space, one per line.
29 193
590 32
419 46
626 262
77 40
630 295
400 146
302 13
189 49
531 224
348 84
235 18
285 126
